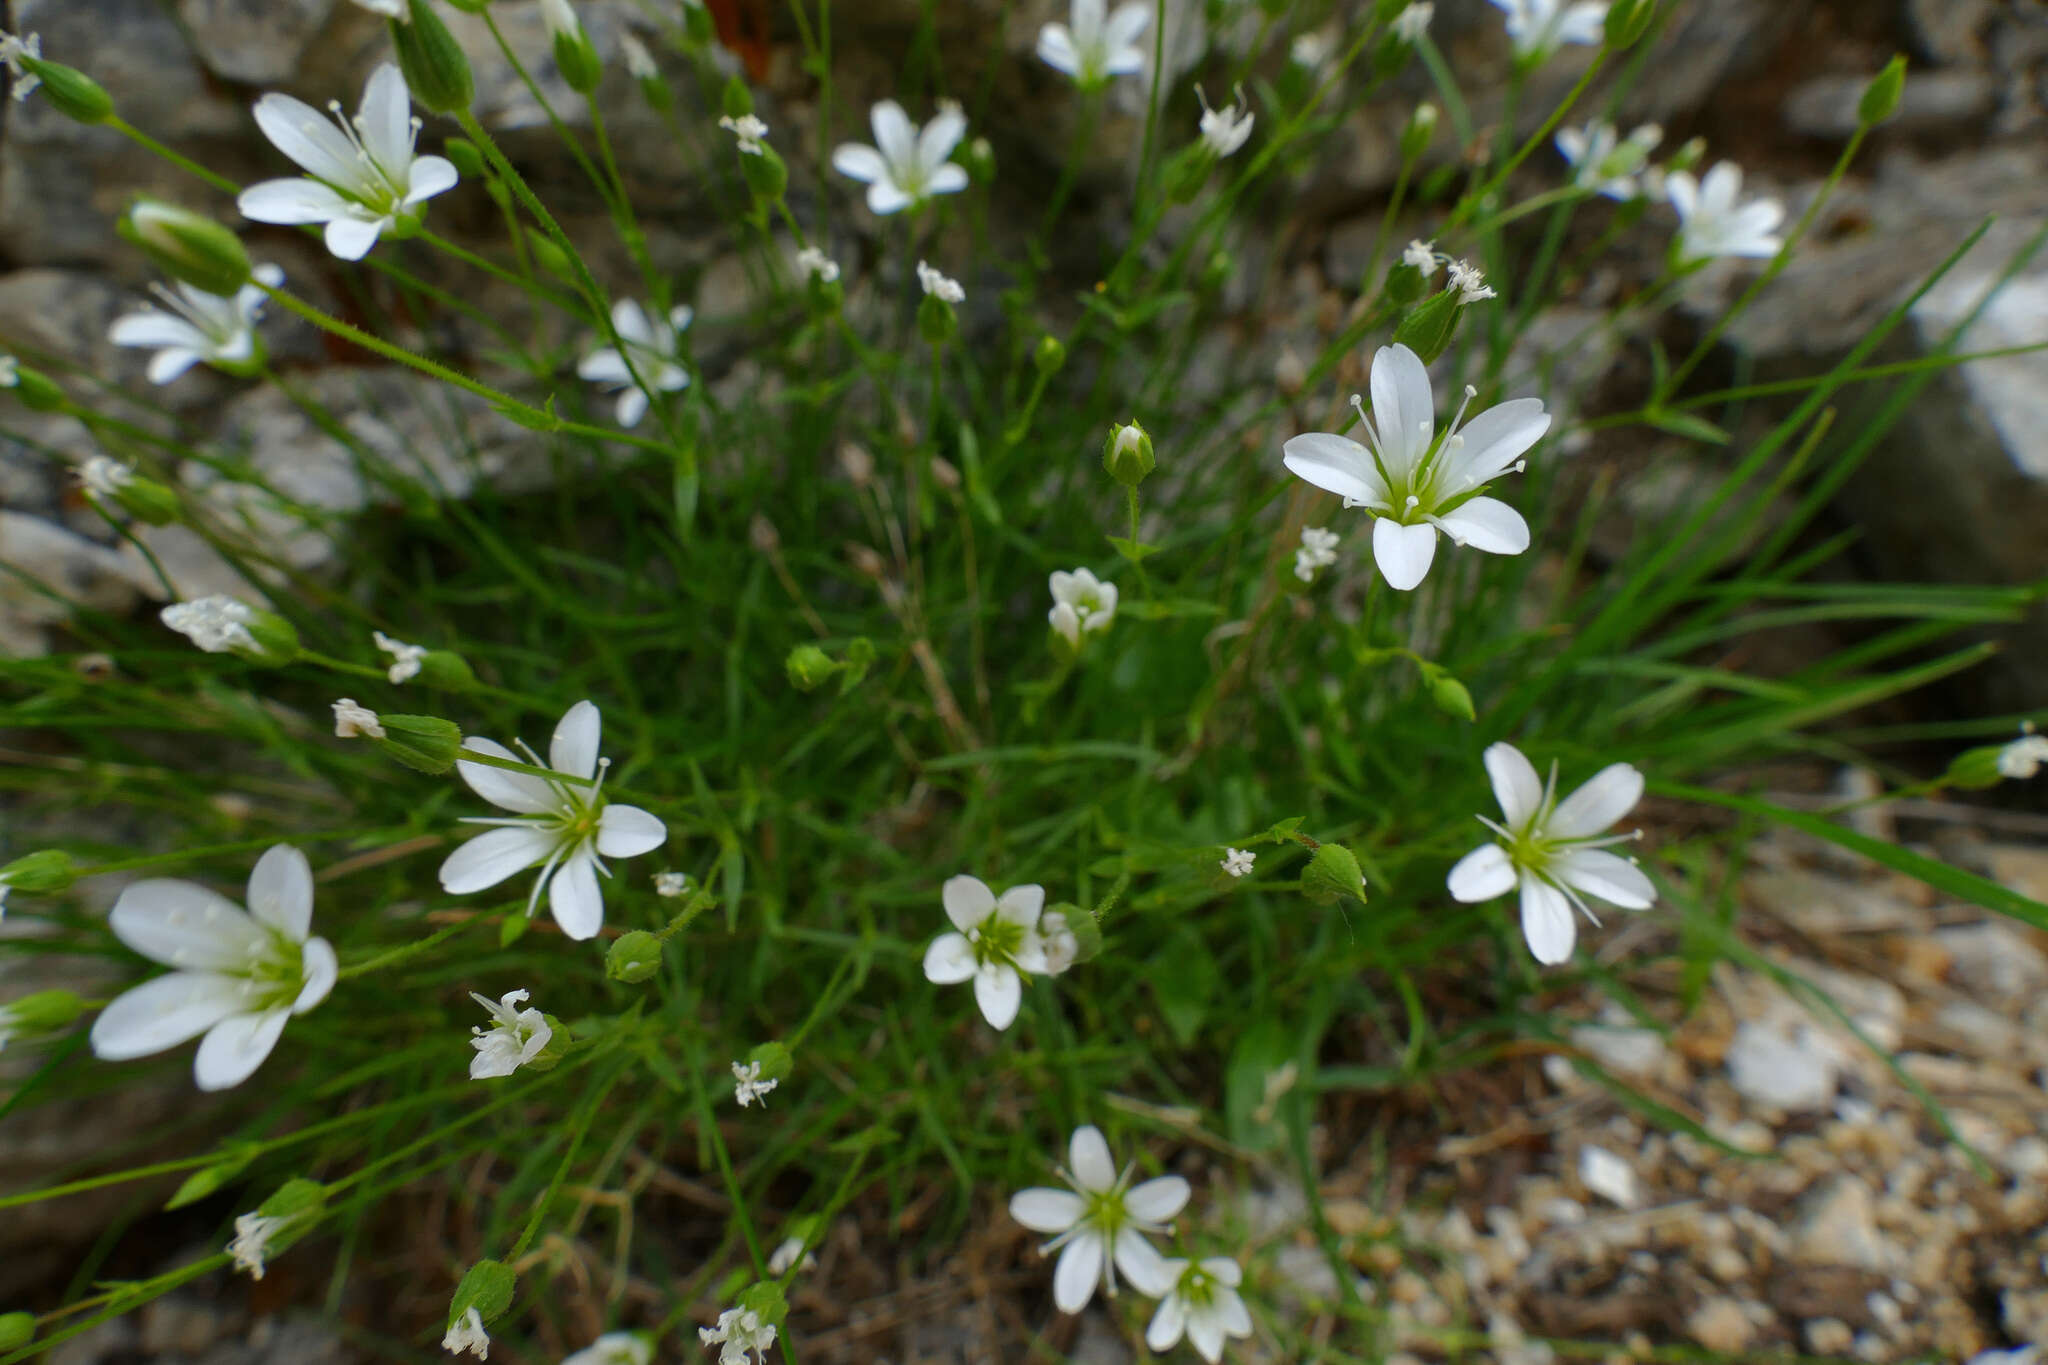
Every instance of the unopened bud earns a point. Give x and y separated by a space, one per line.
550 257
1881 97
1452 697
978 159
42 1012
36 390
425 744
774 1060
435 67
463 154
1975 769
1627 21
295 1199
488 1287
70 91
809 667
698 25
445 668
575 56
17 1329
633 957
1420 129
1427 330
1050 354
860 657
188 246
1127 455
765 173
147 500
735 101
43 873
936 320
1332 875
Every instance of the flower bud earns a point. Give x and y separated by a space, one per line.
576 58
1127 455
17 1329
1221 266
936 320
765 173
1975 769
698 25
735 101
147 500
488 1287
425 744
446 669
1405 282
1627 21
1332 875
775 1061
35 389
464 156
42 1012
188 246
1082 925
633 957
1421 127
1451 696
860 657
809 667
435 67
1881 97
1427 330
765 1301
277 640
471 6
1050 355
70 91
978 159
43 873
1688 156
550 257
296 1198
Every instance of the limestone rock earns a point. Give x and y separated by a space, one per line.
1837 1225
259 41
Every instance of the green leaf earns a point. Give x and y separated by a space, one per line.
1184 978
511 929
1133 550
206 1180
1686 425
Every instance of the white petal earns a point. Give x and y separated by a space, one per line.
385 121
604 366
1684 192
1404 553
1088 1159
1126 24
1584 22
968 901
1056 49
163 1013
1515 783
1487 524
494 855
1547 921
183 924
520 792
1157 1201
1167 1323
628 832
573 749
1335 464
1482 874
629 320
949 960
858 161
317 971
884 198
1230 1305
999 991
1613 879
1720 189
235 1047
308 137
1205 1334
431 175
281 892
939 138
1020 905
632 407
1224 1271
1497 438
350 239
151 328
1403 409
1046 1210
1611 794
895 134
167 365
950 178
297 200
1141 1263
1074 1278
574 897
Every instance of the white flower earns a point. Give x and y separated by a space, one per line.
671 884
1081 603
1225 130
1421 255
216 624
1416 485
362 177
996 944
560 825
239 974
352 721
747 1085
742 1334
467 1333
785 1257
2024 756
816 263
1409 26
251 1246
1469 282
1552 849
639 61
10 371
199 327
906 165
1710 222
1060 942
516 1036
748 131
1091 48
561 20
1204 1303
1539 27
102 477
1101 1223
12 50
405 659
1238 861
615 1348
1604 164
651 343
1309 49
939 286
390 9
1318 551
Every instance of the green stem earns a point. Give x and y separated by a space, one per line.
182 162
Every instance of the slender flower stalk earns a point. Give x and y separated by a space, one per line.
1101 1223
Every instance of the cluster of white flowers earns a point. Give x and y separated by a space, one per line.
1238 861
741 1337
1318 551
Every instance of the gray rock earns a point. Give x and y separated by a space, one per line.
1950 31
73 570
1934 102
259 41
1836 1224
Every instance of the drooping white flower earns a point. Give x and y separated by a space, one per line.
390 9
1238 861
1062 945
563 826
238 974
516 1036
12 50
741 1337
995 943
937 284
1421 255
747 1085
355 722
651 343
1416 484
199 327
785 1257
1470 283
671 884
2023 757
251 1244
748 131
615 1348
362 179
815 263
1712 223
640 63
467 1333
216 624
1539 27
1081 604
405 659
104 477
1225 130
1552 850
1412 23
1101 1223
1318 551
1204 1304
907 165
1091 47
1604 164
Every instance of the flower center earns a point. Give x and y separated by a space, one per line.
996 939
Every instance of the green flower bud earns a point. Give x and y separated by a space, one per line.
550 257
425 744
488 1287
1975 769
978 159
1688 156
435 67
1050 355
446 669
70 91
1420 129
576 58
1427 330
557 1046
1627 21
860 657
147 500
736 101
1082 924
766 1302
698 25
774 1060
16 1329
1221 266
206 1180
764 172
471 6
1451 696
464 155
1332 875
656 92
808 667
296 1198
1127 455
43 873
277 640
42 1012
1405 282
35 389
633 957
188 246
1881 97
936 320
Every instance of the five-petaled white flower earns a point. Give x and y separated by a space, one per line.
1416 484
615 1348
1101 1223
1470 283
906 165
12 51
564 826
1203 1303
1539 27
1712 223
740 1336
467 1333
1409 26
251 1244
1318 551
650 343
2023 758
238 974
1553 849
996 943
104 477
748 131
1421 255
199 327
405 659
216 624
747 1085
1081 604
815 263
362 179
940 286
1238 861
1091 47
516 1036
355 721
1225 130
1604 164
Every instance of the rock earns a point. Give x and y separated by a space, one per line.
1836 1224
1607 1175
1793 1069
70 566
1720 1324
1620 1045
1950 31
1828 1336
1993 960
258 41
1931 103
